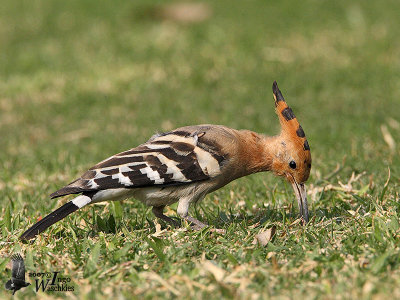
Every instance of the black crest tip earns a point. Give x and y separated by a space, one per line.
277 93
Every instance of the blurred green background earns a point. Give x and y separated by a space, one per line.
82 80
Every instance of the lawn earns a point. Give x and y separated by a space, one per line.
82 80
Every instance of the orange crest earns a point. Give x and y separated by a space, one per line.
291 128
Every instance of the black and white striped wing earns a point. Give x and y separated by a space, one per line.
177 157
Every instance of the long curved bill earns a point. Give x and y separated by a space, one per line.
301 195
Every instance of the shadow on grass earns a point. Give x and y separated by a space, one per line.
261 216
215 218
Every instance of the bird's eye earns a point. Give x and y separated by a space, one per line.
292 164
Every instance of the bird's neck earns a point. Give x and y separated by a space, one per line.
257 152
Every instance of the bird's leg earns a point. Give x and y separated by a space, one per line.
183 211
158 212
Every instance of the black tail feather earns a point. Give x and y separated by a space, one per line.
49 220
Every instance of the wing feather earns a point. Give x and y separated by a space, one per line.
177 157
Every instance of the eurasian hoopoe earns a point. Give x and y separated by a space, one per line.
187 163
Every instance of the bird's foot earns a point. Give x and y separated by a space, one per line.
198 225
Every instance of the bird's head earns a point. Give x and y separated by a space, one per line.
292 157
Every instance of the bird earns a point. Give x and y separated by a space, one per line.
17 280
186 164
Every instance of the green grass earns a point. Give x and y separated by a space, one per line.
82 80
